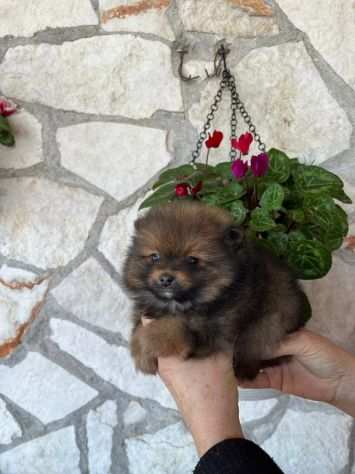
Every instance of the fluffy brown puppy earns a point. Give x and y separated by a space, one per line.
208 289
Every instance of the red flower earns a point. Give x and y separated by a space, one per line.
182 189
260 164
7 107
239 168
196 189
215 140
243 144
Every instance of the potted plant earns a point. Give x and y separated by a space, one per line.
289 206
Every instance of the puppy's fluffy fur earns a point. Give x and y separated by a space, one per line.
208 289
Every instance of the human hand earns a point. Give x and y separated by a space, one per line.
206 393
319 370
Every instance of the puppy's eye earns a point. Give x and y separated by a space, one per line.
155 257
192 260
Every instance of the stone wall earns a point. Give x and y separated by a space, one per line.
103 111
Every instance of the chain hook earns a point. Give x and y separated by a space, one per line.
182 76
219 60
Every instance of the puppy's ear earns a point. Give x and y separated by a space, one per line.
234 236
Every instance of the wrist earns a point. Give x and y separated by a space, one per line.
208 435
211 423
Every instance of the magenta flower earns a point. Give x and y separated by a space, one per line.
239 168
7 107
260 164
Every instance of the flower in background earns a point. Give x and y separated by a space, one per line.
243 143
215 140
239 168
7 107
182 189
260 164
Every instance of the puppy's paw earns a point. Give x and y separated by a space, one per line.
144 350
147 365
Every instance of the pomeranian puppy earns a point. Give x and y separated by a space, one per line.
208 289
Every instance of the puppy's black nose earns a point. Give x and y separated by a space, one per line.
166 280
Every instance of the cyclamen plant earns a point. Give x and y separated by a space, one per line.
288 206
7 108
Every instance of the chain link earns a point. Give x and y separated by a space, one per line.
227 82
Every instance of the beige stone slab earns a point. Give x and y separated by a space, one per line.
54 453
45 224
94 75
91 295
330 26
228 18
24 18
43 388
118 158
114 364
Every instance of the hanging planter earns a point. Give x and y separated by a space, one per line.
288 206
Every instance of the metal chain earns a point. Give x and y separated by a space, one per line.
227 82
209 118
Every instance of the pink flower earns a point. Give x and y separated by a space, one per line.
7 107
239 168
215 140
260 164
243 144
182 189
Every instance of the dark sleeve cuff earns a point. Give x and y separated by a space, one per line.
234 456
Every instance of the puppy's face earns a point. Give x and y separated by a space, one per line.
181 256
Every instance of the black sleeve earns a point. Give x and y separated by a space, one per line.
236 456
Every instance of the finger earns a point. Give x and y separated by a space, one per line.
296 344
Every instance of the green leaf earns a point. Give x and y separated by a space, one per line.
272 198
280 228
296 235
261 220
279 166
309 259
342 220
312 179
236 189
224 169
238 211
206 170
174 174
165 193
339 194
326 215
296 215
6 136
279 242
210 199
